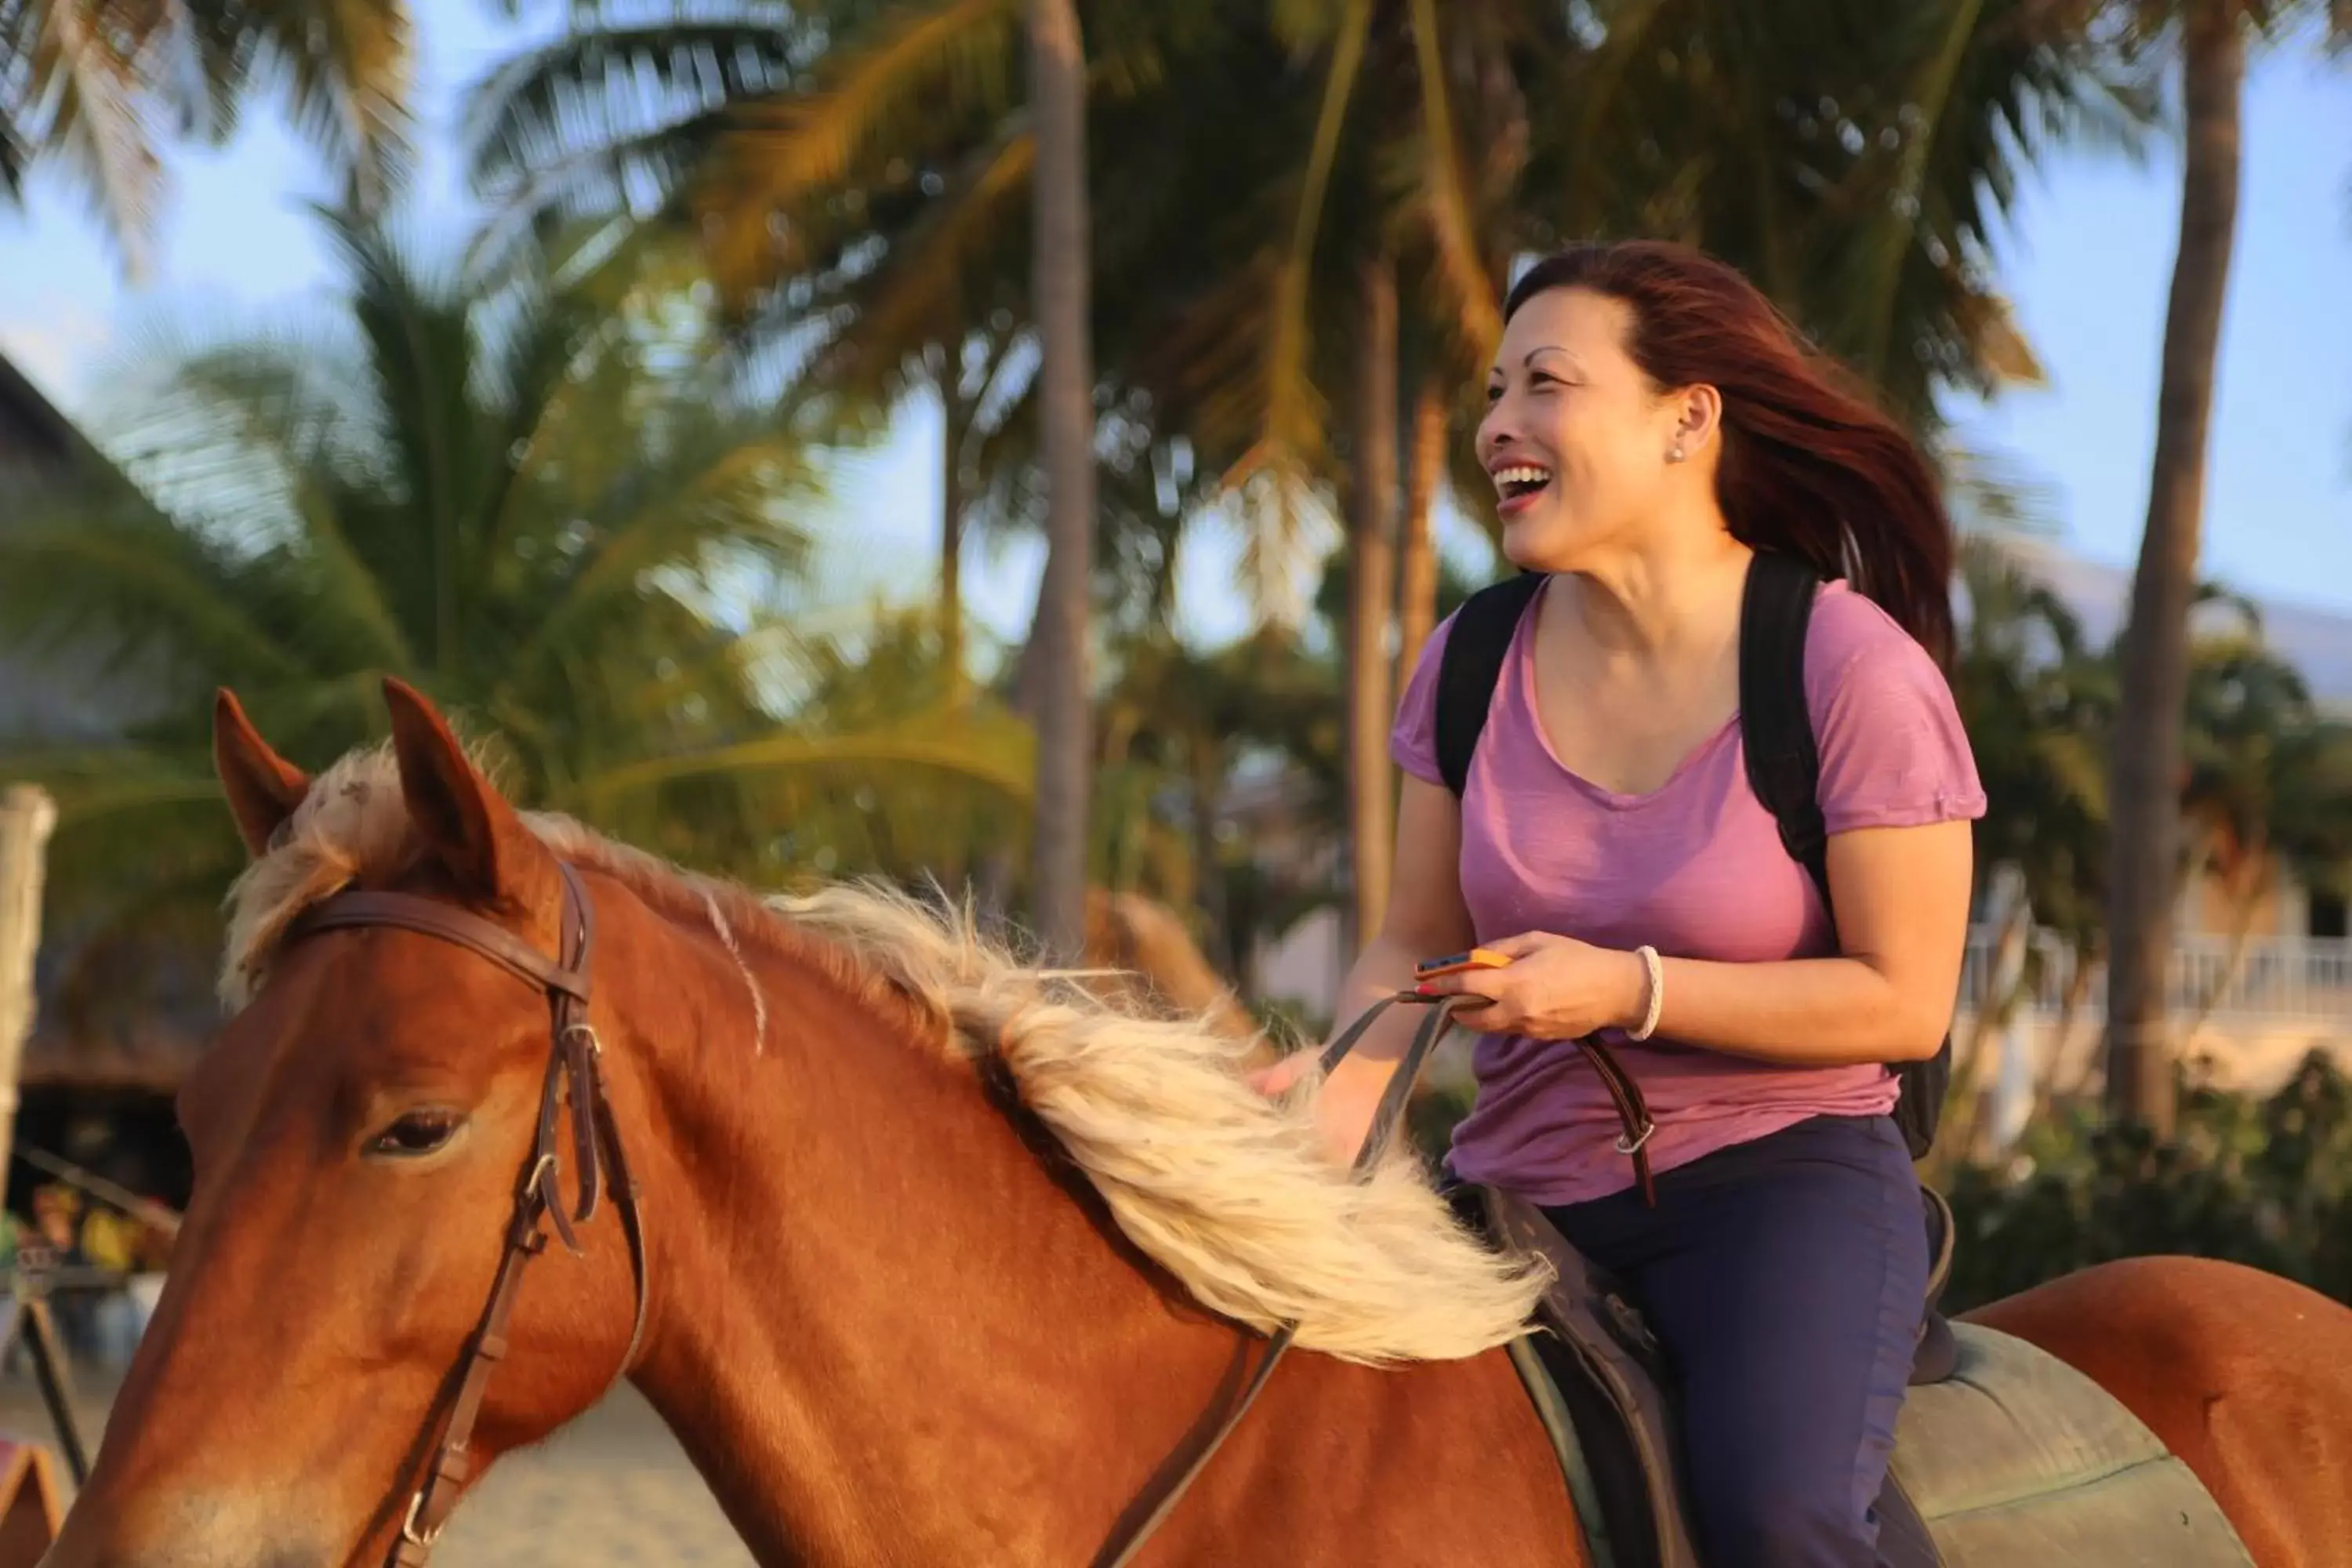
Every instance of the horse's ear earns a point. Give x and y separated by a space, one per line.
263 788
467 826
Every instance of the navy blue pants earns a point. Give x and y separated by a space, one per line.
1784 1278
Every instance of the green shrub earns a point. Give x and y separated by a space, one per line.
2261 1181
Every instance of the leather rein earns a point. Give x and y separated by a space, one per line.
575 1083
571 1099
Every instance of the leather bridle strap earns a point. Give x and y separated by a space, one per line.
1632 1112
574 1082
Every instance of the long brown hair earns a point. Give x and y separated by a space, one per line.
1811 466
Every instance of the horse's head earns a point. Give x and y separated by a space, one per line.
360 1130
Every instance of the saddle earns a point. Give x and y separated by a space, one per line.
1607 1397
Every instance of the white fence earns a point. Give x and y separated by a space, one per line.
2275 977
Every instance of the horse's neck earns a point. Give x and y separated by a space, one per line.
883 1330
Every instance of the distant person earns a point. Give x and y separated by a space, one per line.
57 1233
1653 427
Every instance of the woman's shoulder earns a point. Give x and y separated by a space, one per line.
1847 625
1894 749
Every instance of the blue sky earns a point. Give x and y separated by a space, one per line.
2086 261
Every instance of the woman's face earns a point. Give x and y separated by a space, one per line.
1576 437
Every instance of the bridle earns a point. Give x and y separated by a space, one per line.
574 1080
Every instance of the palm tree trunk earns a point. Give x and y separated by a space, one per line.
1417 565
2145 828
955 421
1060 283
1371 529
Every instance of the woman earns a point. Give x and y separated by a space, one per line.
1652 422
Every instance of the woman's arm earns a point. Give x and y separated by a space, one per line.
1901 897
1425 918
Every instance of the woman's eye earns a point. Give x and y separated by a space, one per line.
419 1132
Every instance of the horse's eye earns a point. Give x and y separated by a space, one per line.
417 1132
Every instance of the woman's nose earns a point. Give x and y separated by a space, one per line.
1494 435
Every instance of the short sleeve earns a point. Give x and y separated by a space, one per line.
1412 742
1893 751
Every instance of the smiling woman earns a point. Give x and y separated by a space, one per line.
1655 432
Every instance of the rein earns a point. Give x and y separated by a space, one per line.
574 1082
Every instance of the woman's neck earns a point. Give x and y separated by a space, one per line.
1667 599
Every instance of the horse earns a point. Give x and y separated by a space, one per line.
923 1254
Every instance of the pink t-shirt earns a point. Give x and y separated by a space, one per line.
1695 869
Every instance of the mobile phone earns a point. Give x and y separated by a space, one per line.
1455 963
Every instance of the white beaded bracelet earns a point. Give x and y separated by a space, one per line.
1657 973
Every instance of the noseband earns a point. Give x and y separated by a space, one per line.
575 1082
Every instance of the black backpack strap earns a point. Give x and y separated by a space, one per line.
1776 724
1784 769
1476 648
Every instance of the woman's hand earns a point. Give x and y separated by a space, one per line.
1275 1080
1554 988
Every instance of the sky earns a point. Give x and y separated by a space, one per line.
2085 260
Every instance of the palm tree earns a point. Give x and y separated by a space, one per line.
2209 38
541 505
93 86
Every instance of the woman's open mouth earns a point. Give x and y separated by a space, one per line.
1518 485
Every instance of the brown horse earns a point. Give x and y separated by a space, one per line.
942 1259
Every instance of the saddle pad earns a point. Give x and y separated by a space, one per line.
2018 1459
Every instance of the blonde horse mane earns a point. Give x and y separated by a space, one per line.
1227 1191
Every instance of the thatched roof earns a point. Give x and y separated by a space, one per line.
155 1054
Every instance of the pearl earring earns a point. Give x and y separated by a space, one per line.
1676 454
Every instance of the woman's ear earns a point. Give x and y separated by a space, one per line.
1698 416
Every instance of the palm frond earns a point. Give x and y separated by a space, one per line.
346 70
90 74
903 89
611 117
1462 264
998 767
1294 413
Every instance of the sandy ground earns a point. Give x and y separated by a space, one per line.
612 1490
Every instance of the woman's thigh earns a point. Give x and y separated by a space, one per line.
1785 1283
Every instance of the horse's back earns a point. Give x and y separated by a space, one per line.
2244 1376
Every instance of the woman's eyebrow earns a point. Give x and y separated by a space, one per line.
1528 359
